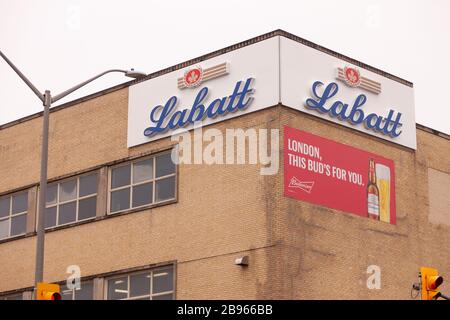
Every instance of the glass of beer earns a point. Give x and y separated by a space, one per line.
383 183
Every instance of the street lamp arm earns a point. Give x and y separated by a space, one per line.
78 86
22 76
47 100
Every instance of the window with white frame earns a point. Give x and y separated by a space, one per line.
142 182
13 214
71 200
155 284
85 292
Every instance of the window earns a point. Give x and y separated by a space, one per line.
71 200
13 214
142 182
15 296
156 284
85 292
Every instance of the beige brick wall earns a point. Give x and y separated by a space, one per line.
438 193
327 252
297 250
214 219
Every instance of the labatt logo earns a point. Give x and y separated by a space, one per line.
323 102
166 117
195 76
353 78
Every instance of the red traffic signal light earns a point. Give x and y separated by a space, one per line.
431 280
434 282
47 291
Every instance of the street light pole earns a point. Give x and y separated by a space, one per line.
40 238
47 100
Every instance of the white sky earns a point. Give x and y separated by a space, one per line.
59 43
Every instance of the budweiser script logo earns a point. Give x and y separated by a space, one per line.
303 185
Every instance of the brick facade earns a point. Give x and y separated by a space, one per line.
296 250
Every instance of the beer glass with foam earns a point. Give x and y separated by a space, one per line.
384 183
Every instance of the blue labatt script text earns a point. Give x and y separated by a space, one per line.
164 117
321 102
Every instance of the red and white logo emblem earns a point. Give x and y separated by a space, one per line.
193 77
352 77
196 75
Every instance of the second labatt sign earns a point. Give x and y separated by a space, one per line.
338 91
335 175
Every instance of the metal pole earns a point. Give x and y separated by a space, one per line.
47 101
40 241
22 76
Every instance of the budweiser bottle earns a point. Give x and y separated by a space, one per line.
373 195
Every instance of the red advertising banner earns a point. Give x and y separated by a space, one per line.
335 175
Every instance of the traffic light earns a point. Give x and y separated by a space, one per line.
47 291
431 280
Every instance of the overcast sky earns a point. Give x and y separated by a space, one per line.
58 43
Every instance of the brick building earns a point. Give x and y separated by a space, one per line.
139 226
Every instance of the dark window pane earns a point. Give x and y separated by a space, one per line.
121 176
120 200
51 194
163 297
50 217
118 288
164 165
4 206
20 202
142 194
68 190
140 284
86 292
67 212
88 184
18 296
87 208
143 170
165 189
18 225
66 294
162 280
4 229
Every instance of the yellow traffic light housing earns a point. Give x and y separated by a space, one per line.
430 280
47 291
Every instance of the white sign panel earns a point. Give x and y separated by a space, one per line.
217 89
327 87
264 74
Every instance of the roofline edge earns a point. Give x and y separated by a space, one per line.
265 36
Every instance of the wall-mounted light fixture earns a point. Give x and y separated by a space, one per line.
241 261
